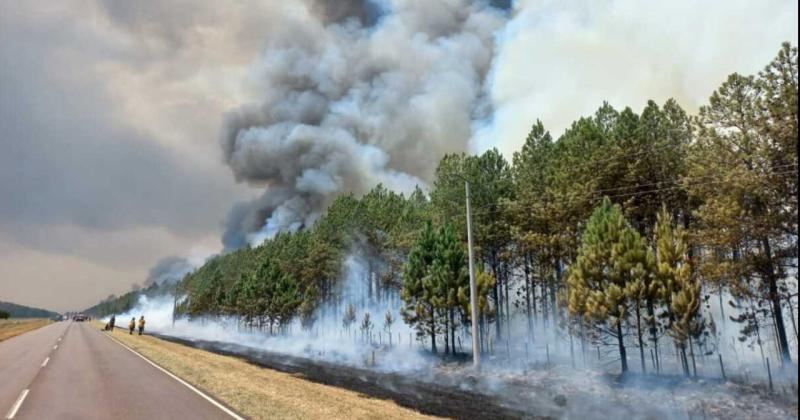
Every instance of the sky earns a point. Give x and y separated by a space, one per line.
111 112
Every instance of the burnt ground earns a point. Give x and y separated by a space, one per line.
446 396
450 388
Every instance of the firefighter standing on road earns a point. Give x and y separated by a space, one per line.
132 325
141 325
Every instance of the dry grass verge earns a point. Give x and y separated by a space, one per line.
14 327
261 393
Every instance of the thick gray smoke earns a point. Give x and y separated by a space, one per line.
169 270
366 12
353 94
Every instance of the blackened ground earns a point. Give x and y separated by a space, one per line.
441 397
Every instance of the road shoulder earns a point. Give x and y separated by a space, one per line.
257 392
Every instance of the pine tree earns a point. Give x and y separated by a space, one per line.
746 154
635 263
449 270
598 279
679 290
420 286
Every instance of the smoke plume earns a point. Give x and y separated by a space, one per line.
169 270
353 94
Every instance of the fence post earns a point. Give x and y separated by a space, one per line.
722 367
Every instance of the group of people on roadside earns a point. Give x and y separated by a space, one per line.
131 325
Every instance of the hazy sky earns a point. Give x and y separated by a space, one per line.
110 113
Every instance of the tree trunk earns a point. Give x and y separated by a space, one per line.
482 334
791 316
691 352
758 331
533 296
446 335
639 334
775 299
684 361
553 288
506 278
622 355
433 332
544 280
528 307
651 314
452 331
498 304
369 281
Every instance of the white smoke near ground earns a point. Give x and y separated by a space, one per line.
346 105
548 344
327 339
550 374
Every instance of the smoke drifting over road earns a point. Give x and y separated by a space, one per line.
353 94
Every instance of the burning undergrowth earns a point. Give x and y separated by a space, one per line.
536 381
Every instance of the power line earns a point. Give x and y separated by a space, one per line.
673 184
590 199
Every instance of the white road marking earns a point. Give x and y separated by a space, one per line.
55 347
188 385
17 405
45 362
59 338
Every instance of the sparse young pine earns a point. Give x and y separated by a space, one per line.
366 327
388 321
349 316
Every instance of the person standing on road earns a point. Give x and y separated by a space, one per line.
132 325
111 323
141 325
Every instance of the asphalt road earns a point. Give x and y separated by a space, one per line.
70 370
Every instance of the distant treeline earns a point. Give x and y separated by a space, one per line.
119 304
20 311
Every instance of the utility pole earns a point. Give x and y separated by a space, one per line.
473 288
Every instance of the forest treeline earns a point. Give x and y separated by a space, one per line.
12 310
617 232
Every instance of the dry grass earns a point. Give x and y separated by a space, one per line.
261 393
14 327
